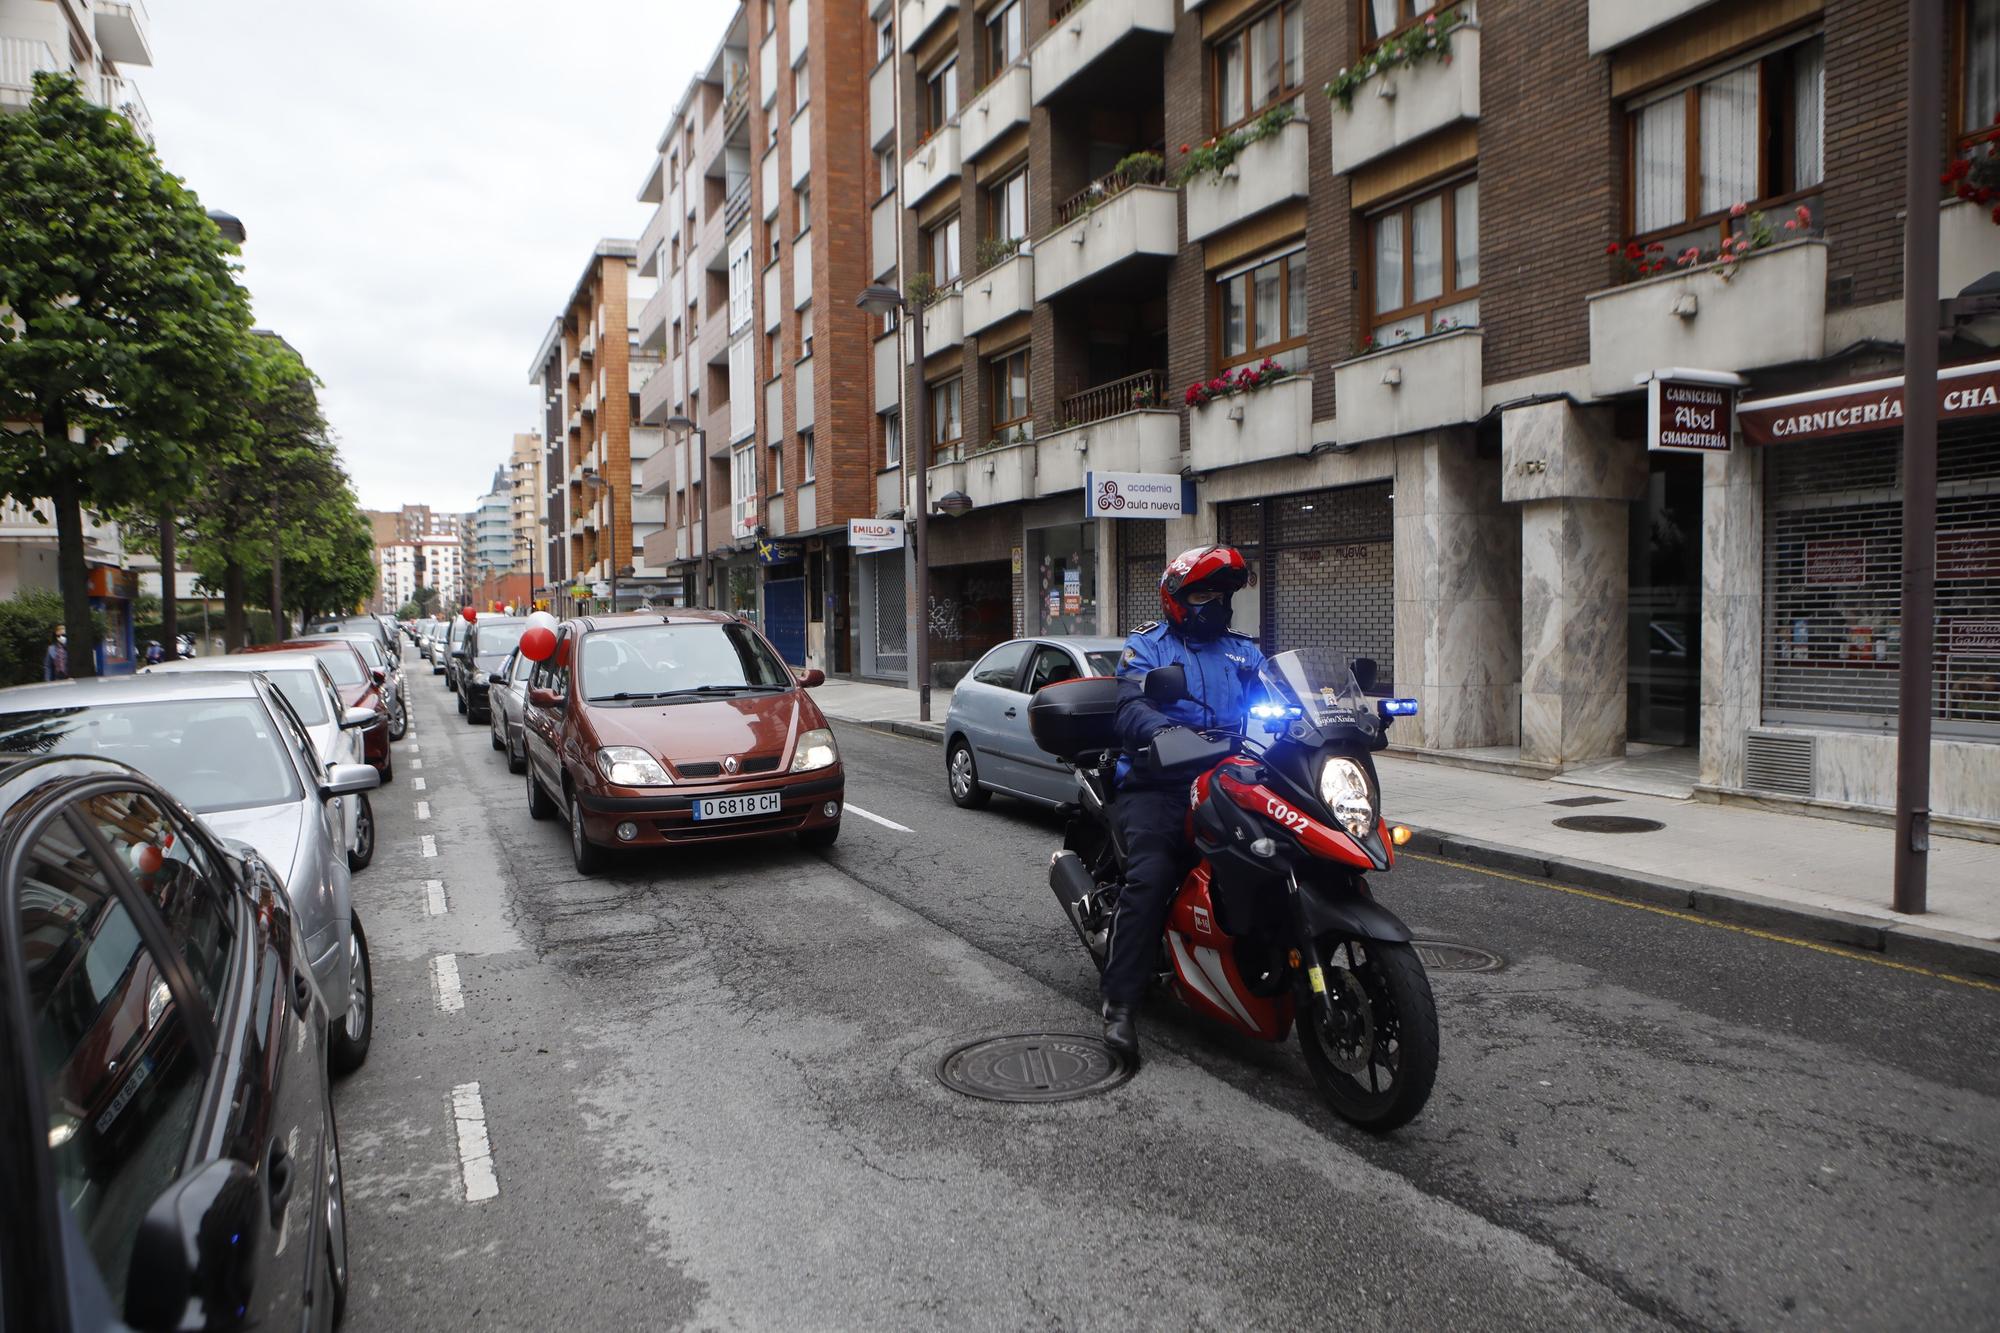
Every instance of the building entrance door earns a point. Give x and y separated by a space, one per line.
785 618
1663 639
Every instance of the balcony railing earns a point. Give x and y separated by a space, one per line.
736 101
1148 388
1062 9
1108 186
21 58
736 207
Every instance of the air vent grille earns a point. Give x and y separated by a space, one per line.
1781 765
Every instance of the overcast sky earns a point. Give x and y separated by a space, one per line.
422 182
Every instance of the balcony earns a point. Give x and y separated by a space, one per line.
736 206
920 16
1401 105
1268 423
1423 384
1136 440
650 242
1265 174
20 60
122 96
656 474
1616 22
888 372
882 235
121 31
933 166
575 422
1001 292
573 366
881 103
657 399
1771 312
1136 221
991 477
1082 32
944 325
652 328
736 101
1000 106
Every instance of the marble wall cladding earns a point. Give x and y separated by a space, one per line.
1859 768
1732 610
1559 450
1458 610
1573 630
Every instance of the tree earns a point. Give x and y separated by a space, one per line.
126 323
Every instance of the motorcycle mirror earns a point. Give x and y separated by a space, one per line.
1365 672
1167 684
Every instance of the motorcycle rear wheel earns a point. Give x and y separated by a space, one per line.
1376 1069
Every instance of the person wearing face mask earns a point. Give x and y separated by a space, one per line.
55 661
1150 809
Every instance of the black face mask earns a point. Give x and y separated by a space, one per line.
1207 621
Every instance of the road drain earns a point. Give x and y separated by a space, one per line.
1609 824
1033 1067
1442 956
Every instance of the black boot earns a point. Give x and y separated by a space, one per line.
1121 1030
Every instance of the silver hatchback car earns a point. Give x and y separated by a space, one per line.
987 747
229 747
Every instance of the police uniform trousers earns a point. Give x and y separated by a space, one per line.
1152 822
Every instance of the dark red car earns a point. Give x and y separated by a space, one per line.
360 687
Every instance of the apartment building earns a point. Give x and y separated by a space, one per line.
95 40
524 507
1385 289
763 186
493 528
439 562
396 581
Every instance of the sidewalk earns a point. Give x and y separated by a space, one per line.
1821 878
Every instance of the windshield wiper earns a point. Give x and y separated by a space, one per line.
685 692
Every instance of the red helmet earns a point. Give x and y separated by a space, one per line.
1218 567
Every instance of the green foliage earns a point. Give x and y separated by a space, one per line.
150 627
26 620
922 291
1141 168
1215 156
994 251
1429 40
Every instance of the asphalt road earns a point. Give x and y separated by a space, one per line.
699 1090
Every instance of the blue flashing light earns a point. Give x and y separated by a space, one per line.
1398 707
1273 712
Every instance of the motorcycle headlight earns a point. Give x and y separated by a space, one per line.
814 750
630 766
1343 788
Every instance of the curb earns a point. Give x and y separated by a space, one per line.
916 731
1915 944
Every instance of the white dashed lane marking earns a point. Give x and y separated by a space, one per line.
451 992
434 902
874 818
423 809
416 784
430 845
416 764
475 1149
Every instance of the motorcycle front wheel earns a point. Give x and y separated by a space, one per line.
1375 1059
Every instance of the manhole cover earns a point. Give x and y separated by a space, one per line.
1442 956
1586 800
1033 1067
1609 824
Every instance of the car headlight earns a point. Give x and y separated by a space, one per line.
630 766
814 750
1343 788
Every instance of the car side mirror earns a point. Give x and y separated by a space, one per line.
544 698
357 717
1167 684
497 677
1366 671
348 779
812 679
196 1251
377 674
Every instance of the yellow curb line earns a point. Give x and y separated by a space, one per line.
1699 920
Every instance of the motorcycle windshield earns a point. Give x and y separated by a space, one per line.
1315 686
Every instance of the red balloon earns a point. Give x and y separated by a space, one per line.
469 613
537 643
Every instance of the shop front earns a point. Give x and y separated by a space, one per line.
972 604
112 592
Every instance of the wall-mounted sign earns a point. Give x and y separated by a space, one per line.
1964 392
1688 418
1136 495
778 553
875 534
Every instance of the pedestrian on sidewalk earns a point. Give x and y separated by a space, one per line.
55 661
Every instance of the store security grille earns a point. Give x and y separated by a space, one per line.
1142 556
1833 539
1325 571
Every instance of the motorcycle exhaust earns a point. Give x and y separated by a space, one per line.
1070 878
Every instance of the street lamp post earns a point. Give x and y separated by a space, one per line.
880 300
684 425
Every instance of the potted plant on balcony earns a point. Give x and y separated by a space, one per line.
1245 379
1217 155
996 250
1429 40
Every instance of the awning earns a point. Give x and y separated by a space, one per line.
1964 393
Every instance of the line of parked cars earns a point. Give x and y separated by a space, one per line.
182 972
649 729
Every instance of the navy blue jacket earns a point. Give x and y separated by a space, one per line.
1221 677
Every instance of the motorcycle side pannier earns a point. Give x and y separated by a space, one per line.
1073 717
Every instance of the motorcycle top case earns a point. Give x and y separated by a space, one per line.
1073 717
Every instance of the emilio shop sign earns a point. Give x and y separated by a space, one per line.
1964 393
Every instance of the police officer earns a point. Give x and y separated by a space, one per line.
1151 809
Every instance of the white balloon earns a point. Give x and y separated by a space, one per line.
545 620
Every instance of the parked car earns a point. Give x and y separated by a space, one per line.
360 687
436 654
157 1155
229 747
450 645
506 691
487 645
647 729
308 687
987 747
395 692
368 625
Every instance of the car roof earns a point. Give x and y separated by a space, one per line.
1083 643
152 687
21 776
299 645
676 616
292 661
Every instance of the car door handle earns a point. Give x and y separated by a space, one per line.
1010 712
278 1175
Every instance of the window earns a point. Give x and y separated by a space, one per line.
743 482
885 39
1386 18
1007 389
172 870
1001 668
1260 311
674 169
771 235
803 197
773 349
1424 264
1753 134
1007 208
801 86
946 428
1259 65
885 170
807 463
777 467
104 1022
1003 36
1976 104
940 96
892 439
806 331
1052 667
770 17
941 249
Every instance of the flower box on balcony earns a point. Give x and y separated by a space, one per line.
1770 311
1419 385
944 326
1269 172
999 107
933 166
1142 440
1968 246
1001 292
1087 32
1274 421
1401 105
1138 220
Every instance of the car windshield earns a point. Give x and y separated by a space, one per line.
303 691
341 662
214 754
660 661
493 642
1102 664
371 651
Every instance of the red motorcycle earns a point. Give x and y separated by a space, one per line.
1275 923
